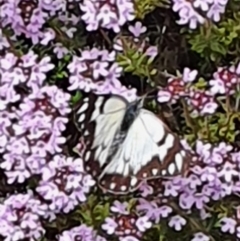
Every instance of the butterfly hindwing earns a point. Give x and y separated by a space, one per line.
149 151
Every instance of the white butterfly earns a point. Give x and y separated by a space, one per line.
126 144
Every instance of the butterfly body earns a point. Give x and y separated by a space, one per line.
126 143
131 114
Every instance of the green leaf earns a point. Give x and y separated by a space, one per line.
129 68
218 223
213 57
199 44
86 214
100 212
141 59
135 56
201 83
218 48
121 57
67 57
230 136
153 72
76 97
61 75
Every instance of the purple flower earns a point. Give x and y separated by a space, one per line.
177 222
99 69
228 225
228 172
174 186
37 122
194 181
145 189
217 190
143 224
128 238
200 199
3 41
238 232
119 207
223 148
81 232
204 214
54 144
216 9
202 4
171 189
8 61
60 50
109 226
200 237
152 52
137 29
152 211
189 75
210 154
57 98
186 199
15 167
208 174
28 60
164 96
29 19
128 94
48 35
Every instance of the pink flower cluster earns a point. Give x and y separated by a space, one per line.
225 80
33 117
93 68
64 183
29 18
21 216
201 102
96 71
109 14
82 232
125 224
195 12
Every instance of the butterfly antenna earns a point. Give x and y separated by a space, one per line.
147 95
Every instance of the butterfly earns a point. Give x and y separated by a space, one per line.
126 143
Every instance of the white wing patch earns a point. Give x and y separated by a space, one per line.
141 148
107 122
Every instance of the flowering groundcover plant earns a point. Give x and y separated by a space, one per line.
54 52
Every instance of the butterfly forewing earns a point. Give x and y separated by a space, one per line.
99 118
